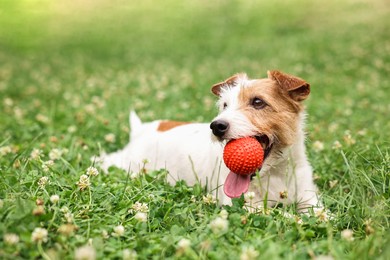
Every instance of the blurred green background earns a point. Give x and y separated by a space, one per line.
161 57
70 71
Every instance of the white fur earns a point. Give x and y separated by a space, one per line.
289 172
229 110
189 153
186 151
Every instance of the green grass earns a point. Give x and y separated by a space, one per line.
69 73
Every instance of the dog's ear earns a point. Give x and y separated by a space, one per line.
297 88
232 81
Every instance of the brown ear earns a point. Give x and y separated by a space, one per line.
216 88
297 88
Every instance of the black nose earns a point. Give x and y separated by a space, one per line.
219 127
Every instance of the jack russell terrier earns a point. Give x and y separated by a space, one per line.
269 109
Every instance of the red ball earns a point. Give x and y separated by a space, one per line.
243 156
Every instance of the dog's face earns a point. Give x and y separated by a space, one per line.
266 108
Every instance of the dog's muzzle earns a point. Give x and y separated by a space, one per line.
219 127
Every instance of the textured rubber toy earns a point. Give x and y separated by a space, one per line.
243 156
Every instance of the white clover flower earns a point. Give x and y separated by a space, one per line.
109 138
141 216
219 225
11 239
160 95
83 182
68 217
49 163
8 102
333 183
193 198
45 168
98 101
288 215
347 235
128 254
224 214
55 154
105 234
92 171
119 231
321 214
85 253
36 154
249 196
54 198
18 112
43 181
72 129
261 209
42 118
39 235
64 209
336 145
66 229
46 165
348 138
134 175
249 253
90 108
4 150
318 146
209 199
362 132
140 207
183 244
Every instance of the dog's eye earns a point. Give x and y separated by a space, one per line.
258 103
224 105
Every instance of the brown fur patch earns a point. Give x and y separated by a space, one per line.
297 88
279 119
168 125
216 88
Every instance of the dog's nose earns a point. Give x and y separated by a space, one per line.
219 127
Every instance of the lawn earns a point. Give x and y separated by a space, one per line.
70 71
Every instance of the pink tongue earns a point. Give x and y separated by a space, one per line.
236 184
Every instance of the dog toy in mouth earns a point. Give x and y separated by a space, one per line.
243 157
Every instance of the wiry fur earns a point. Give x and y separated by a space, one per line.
191 153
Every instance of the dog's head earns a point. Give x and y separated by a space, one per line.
268 109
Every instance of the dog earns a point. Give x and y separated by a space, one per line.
269 109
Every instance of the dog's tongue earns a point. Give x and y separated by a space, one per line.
236 184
